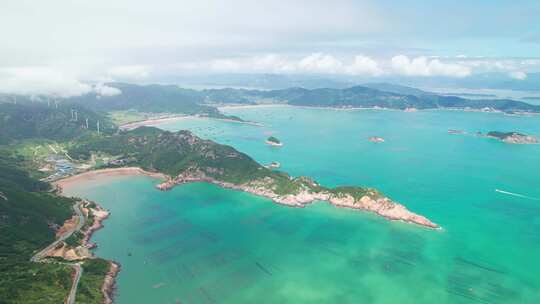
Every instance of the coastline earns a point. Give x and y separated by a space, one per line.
152 121
103 173
100 215
178 117
408 110
159 120
109 283
383 207
251 106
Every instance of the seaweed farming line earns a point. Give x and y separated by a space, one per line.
517 195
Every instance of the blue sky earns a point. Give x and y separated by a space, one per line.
66 44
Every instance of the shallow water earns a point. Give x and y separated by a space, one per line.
202 244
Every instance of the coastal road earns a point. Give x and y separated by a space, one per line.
76 266
80 223
73 292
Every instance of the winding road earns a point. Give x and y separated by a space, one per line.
76 266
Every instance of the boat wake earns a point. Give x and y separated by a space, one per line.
517 195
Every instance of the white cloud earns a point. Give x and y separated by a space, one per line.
104 90
422 66
316 63
272 62
40 81
363 65
518 75
320 63
129 72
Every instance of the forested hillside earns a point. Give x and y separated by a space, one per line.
38 120
27 215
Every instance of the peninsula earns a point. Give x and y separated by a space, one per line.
184 157
44 243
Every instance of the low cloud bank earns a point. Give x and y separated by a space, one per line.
45 81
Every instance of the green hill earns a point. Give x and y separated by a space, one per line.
26 217
174 153
370 96
37 120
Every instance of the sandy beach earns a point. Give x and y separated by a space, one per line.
157 121
252 106
103 173
153 121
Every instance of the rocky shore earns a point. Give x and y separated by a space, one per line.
381 206
271 143
109 284
99 215
513 137
376 139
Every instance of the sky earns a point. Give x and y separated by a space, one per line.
72 47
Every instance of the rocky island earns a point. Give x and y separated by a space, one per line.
455 132
184 158
376 139
273 165
513 137
272 141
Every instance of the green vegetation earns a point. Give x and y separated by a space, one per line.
174 153
355 192
503 135
26 217
11 177
274 140
75 239
22 283
29 212
367 96
123 117
32 155
151 99
89 291
37 120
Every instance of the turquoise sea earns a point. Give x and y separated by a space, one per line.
201 244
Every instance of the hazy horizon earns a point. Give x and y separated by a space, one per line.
65 48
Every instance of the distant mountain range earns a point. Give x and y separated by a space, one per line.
173 99
269 81
381 95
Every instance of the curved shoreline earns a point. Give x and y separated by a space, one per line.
376 108
109 282
100 173
383 207
159 120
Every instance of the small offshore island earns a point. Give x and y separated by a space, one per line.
273 141
184 157
376 139
513 137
